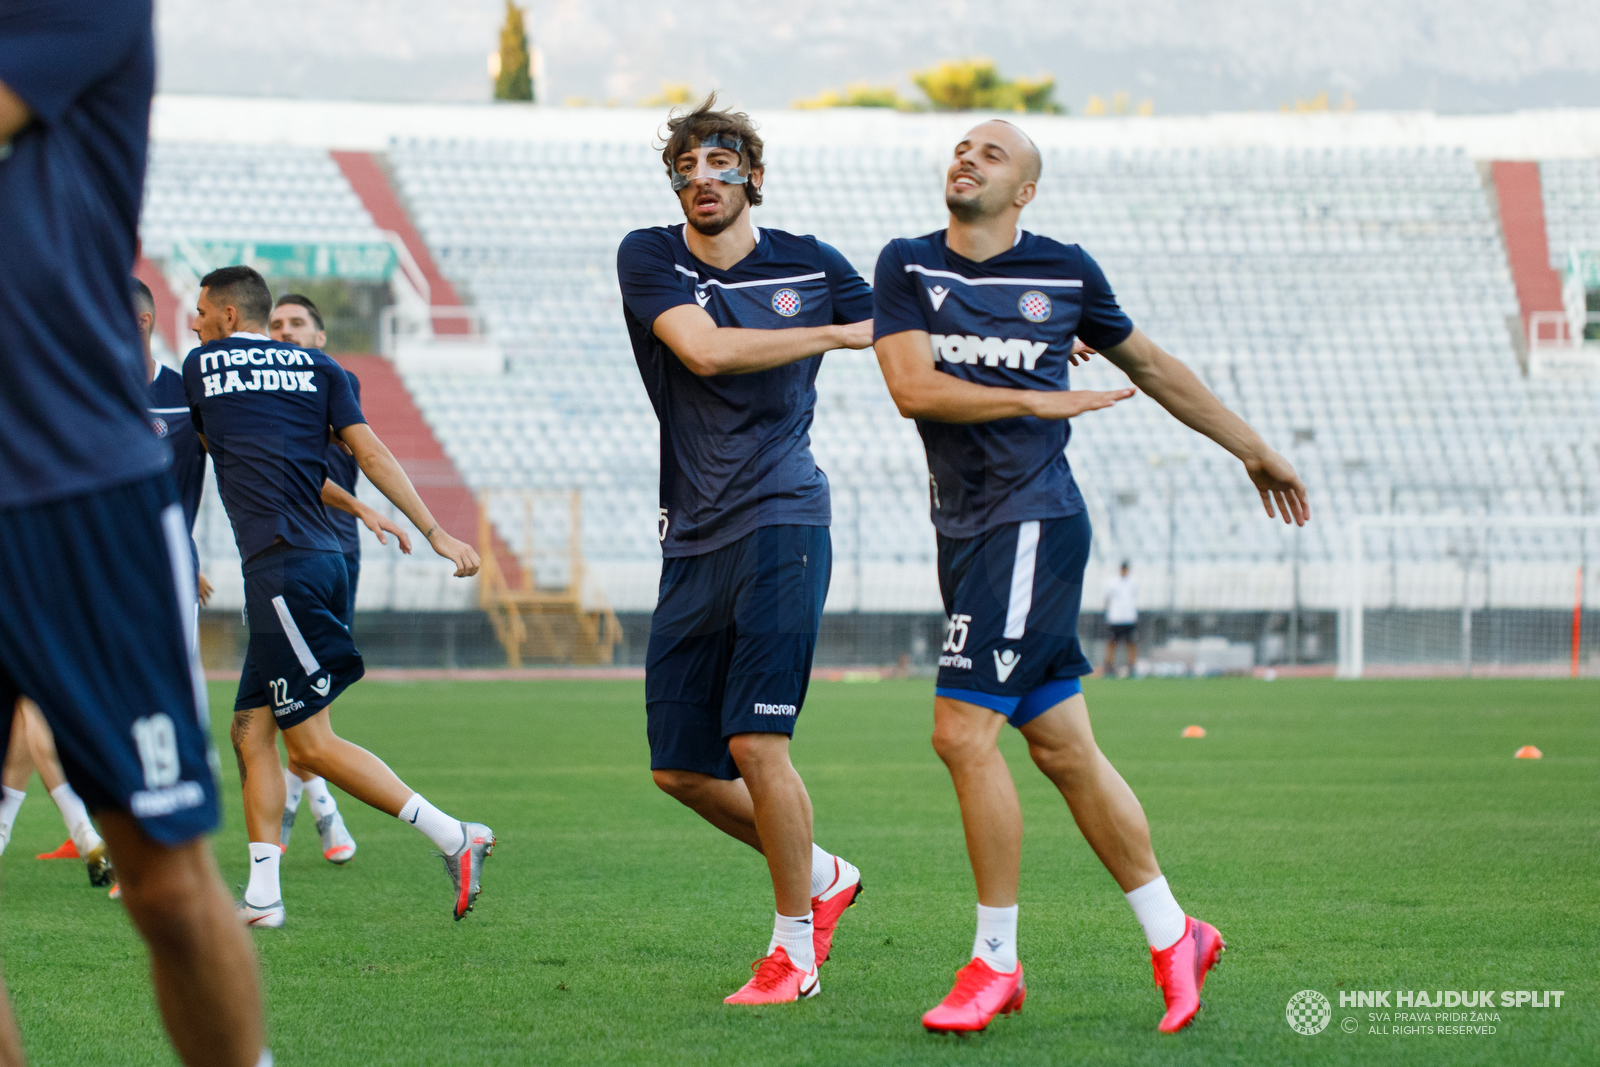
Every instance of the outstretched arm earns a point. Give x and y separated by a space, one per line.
1174 386
708 349
335 496
379 465
922 391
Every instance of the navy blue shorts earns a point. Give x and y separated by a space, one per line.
352 570
96 597
731 643
1124 631
301 655
1011 596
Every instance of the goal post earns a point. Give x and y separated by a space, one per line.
1439 595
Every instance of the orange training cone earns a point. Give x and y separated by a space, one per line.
1528 752
1194 731
67 851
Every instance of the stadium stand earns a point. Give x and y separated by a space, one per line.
1352 304
1352 301
1571 206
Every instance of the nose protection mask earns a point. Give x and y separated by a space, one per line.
682 174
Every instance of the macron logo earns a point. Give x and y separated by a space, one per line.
702 296
937 293
322 685
775 709
1005 662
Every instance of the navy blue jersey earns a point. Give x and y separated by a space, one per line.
343 470
72 388
1009 322
169 418
265 409
735 448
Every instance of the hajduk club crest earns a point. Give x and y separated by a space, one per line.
1034 305
786 302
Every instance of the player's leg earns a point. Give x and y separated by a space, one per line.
1182 948
200 957
255 745
781 811
302 782
1133 650
995 650
85 839
11 1054
1109 667
1062 745
313 744
724 804
14 777
966 737
781 576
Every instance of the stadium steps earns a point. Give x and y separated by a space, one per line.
397 421
366 175
1527 240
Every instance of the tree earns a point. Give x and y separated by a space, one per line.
857 95
671 95
975 84
513 78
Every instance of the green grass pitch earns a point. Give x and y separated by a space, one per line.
1371 835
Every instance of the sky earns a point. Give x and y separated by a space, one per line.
1185 56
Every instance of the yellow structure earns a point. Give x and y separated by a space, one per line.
538 620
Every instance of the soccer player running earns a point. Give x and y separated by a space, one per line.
263 410
95 570
728 325
295 320
975 329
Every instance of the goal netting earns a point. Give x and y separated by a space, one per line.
1433 595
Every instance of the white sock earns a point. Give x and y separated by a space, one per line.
76 816
322 802
293 787
441 829
9 806
1158 912
822 869
263 888
996 943
795 934
266 1058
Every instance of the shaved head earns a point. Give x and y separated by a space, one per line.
993 172
1018 144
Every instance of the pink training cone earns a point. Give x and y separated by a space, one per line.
1528 752
1194 731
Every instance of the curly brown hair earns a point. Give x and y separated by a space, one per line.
705 121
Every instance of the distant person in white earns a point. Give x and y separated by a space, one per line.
1122 615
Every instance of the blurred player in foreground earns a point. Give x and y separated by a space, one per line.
96 574
295 320
32 744
975 328
263 410
728 325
